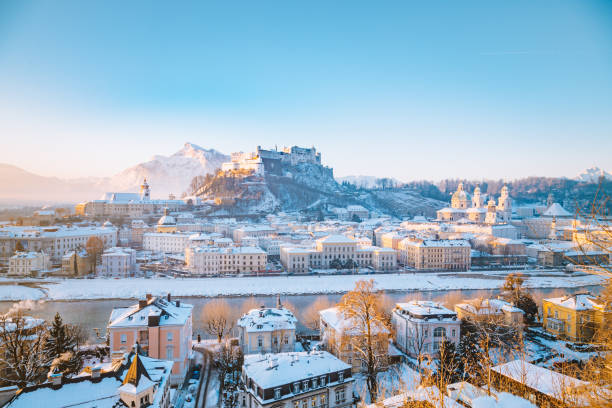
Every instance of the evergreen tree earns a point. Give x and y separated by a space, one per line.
59 340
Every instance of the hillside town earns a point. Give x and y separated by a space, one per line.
315 204
363 349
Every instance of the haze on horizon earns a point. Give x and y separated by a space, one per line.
473 89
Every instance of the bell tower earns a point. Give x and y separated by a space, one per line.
145 191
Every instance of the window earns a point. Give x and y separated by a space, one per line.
170 336
314 383
286 339
259 341
170 353
340 376
439 332
277 393
340 397
305 385
123 338
454 332
296 388
323 381
296 404
304 403
313 402
323 399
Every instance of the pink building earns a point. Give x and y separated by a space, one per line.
162 328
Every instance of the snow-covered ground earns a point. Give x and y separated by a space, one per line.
133 288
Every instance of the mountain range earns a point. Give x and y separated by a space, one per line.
165 174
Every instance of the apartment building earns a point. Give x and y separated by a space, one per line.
212 260
55 241
296 380
165 241
427 254
118 262
28 263
162 327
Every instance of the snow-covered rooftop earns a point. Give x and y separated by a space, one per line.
335 318
170 313
539 378
337 239
268 319
488 307
556 210
424 308
578 301
272 370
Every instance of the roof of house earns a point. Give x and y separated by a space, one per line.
577 301
539 378
268 319
488 306
272 370
170 314
556 210
425 308
86 392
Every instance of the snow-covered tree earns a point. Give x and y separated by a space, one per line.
22 354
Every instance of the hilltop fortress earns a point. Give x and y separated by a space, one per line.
264 161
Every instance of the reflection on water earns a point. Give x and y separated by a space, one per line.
94 314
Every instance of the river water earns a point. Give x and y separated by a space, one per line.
93 314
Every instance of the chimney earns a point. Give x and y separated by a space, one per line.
279 305
95 371
142 303
149 296
169 297
178 303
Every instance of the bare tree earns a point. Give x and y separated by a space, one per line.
218 318
22 354
310 316
362 308
249 304
94 247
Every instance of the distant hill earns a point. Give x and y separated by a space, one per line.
165 174
593 175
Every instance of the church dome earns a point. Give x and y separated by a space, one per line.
166 220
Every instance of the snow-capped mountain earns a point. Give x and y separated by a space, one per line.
169 174
592 175
165 175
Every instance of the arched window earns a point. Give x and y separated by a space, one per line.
439 332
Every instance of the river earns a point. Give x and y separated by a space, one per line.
94 314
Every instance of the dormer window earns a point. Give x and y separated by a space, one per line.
277 393
340 376
296 388
305 385
260 326
322 381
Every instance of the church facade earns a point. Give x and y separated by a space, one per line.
472 209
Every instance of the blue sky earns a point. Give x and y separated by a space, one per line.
414 90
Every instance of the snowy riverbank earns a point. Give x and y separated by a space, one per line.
132 288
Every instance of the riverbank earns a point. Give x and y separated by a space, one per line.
134 288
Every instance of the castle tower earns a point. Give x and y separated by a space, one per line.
145 191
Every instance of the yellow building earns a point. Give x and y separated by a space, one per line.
575 317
